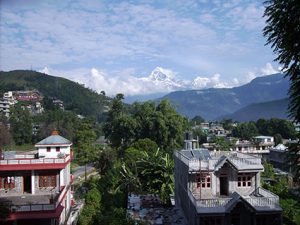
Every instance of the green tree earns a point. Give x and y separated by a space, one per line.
104 162
282 32
245 130
222 144
86 151
294 158
119 127
128 182
198 133
91 209
168 127
227 124
277 139
157 170
145 144
197 120
268 170
21 123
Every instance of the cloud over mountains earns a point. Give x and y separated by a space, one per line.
160 80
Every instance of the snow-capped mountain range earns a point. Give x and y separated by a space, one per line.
168 81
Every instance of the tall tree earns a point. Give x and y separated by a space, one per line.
119 127
283 34
21 123
245 130
86 150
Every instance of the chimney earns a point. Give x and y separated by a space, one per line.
54 132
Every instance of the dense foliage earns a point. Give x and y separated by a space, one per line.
21 124
282 32
272 127
159 123
138 159
288 200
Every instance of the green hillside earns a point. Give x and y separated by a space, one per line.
265 110
76 97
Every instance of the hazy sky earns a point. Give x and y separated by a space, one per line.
110 45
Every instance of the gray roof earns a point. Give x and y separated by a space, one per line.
54 140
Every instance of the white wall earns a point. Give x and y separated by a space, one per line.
53 153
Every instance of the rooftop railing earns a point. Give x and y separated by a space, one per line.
27 161
262 199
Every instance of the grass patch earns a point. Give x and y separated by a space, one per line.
22 148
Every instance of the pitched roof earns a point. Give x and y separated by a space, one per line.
54 139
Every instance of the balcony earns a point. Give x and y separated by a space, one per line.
34 203
261 200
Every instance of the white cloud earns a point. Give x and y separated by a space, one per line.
160 80
45 70
268 69
250 76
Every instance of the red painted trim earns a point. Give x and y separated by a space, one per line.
64 196
44 166
37 215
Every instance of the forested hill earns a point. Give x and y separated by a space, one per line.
262 110
76 97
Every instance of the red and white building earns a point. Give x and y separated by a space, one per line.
36 185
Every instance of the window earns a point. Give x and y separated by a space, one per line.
7 182
48 149
47 181
57 149
244 180
203 180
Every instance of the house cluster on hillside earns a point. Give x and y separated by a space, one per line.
215 187
32 98
36 186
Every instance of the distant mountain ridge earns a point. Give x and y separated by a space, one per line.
75 96
214 102
263 110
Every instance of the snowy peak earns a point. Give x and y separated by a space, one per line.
160 74
165 77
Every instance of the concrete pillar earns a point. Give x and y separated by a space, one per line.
32 182
61 178
256 182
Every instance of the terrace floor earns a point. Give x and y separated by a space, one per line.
29 199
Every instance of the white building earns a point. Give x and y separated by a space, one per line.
4 107
36 185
